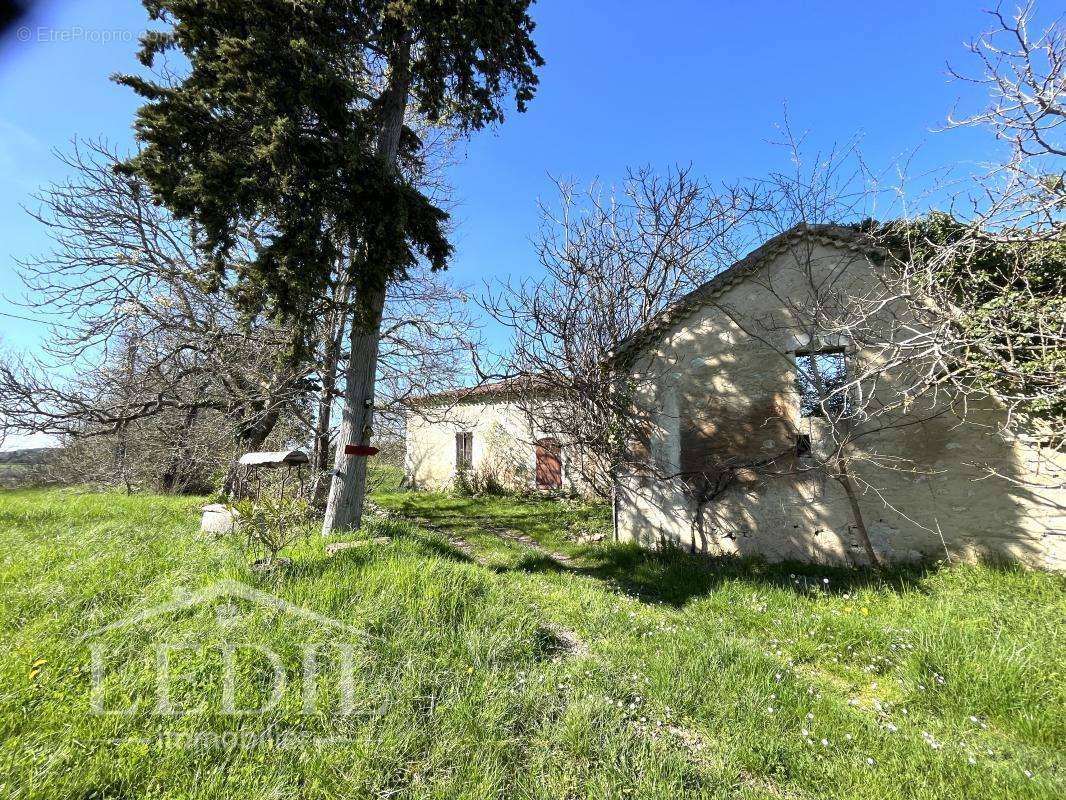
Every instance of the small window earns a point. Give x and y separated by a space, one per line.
820 379
464 451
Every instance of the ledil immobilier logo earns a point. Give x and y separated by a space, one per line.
237 673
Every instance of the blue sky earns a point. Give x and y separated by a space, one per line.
626 84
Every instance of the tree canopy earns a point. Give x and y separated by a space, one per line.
276 121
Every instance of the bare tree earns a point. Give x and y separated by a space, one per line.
427 333
988 276
611 260
135 332
158 366
1024 73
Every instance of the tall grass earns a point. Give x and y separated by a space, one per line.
697 678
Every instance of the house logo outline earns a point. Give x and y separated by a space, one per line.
225 588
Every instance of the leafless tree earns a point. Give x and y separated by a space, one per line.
823 327
611 259
140 342
989 275
427 334
1024 73
123 286
963 314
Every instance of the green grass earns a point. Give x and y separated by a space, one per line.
556 524
459 686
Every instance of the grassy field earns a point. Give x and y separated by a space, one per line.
501 672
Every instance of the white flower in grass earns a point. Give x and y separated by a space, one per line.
805 733
869 762
929 740
1028 774
825 743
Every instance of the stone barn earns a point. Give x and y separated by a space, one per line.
486 433
725 461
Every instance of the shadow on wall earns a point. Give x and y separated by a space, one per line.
414 469
941 499
498 466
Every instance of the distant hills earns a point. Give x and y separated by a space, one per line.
26 466
28 456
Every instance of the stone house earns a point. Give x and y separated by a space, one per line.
717 380
487 432
730 455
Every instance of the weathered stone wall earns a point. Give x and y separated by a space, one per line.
711 390
503 446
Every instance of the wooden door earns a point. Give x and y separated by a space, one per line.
549 465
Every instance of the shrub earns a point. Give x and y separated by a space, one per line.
271 524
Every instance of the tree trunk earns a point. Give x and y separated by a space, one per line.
347 491
331 351
176 474
844 480
344 508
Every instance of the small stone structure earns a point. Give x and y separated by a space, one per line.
487 430
221 518
714 377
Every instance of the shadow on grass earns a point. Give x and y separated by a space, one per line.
675 577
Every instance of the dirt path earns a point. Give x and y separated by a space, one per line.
518 537
506 534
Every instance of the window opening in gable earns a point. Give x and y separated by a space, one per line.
820 379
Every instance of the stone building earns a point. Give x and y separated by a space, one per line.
729 460
487 433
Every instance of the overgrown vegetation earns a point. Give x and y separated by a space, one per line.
1003 295
700 677
272 523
